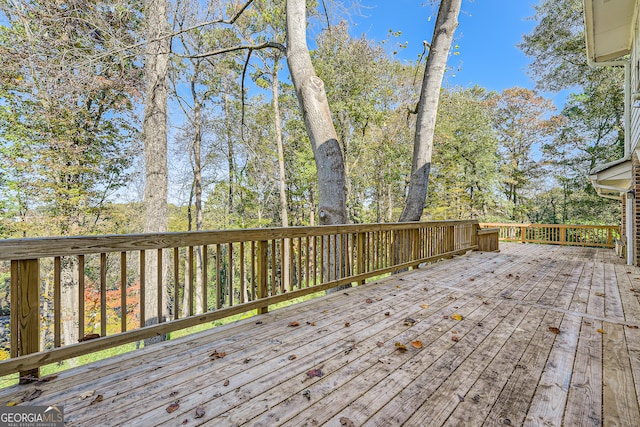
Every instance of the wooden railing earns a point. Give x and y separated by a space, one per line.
111 277
559 234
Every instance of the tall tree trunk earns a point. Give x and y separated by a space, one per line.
284 209
230 154
332 208
155 146
197 177
428 108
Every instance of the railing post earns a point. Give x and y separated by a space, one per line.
563 234
360 254
451 238
609 238
523 233
263 270
25 312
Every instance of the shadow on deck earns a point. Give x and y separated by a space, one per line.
548 335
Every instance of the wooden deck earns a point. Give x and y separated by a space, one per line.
549 336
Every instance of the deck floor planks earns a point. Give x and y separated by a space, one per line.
512 364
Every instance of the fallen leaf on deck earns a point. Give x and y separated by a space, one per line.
425 306
173 394
599 294
634 290
632 327
12 403
292 357
199 412
554 330
455 338
346 293
409 321
314 373
217 355
485 302
601 331
87 394
401 346
457 317
471 279
380 344
509 276
344 421
347 324
99 398
460 398
425 289
89 337
173 407
259 322
311 323
416 344
294 324
378 299
369 301
226 383
387 313
33 394
587 323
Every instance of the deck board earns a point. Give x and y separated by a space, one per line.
505 366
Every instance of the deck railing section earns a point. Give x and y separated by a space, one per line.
93 289
559 234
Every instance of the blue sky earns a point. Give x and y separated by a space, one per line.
487 36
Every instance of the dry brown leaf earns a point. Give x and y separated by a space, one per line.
217 355
401 346
457 317
89 337
292 357
554 330
380 344
346 422
33 394
311 323
199 412
347 324
632 326
293 324
408 321
471 279
387 313
226 383
87 394
173 407
99 398
314 373
455 338
416 344
599 294
425 306
369 301
601 331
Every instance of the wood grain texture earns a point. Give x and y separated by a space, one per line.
505 367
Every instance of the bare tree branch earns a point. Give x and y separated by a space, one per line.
264 45
230 21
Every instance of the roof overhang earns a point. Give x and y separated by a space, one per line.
612 178
609 28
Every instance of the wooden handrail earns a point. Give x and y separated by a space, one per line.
558 234
242 271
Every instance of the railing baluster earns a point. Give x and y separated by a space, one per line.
143 265
57 303
230 280
243 285
103 294
80 296
123 291
205 278
176 281
191 281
